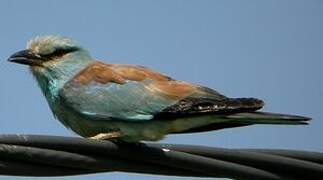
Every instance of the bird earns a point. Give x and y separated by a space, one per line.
131 103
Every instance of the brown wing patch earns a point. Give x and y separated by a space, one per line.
173 90
157 83
104 73
138 73
98 72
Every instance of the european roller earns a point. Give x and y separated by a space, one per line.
131 103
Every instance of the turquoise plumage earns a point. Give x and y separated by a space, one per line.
131 103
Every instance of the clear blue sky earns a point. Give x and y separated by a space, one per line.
267 49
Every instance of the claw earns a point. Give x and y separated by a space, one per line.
106 136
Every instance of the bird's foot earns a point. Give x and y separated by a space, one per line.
107 136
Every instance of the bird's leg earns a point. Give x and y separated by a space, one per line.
106 136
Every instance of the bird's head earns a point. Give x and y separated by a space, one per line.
51 52
53 60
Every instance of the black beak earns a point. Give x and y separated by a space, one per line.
26 57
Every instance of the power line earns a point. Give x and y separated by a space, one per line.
39 155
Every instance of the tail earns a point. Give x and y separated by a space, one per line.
267 118
252 118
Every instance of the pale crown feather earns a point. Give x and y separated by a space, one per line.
49 43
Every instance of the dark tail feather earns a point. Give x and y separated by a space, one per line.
267 118
252 118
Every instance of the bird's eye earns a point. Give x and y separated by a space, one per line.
59 53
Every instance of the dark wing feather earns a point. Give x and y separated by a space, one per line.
207 105
206 101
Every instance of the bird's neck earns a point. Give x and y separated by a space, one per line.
52 78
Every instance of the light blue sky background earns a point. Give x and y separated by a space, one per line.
267 49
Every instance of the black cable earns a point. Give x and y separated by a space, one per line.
272 160
16 168
88 163
35 155
141 153
303 155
